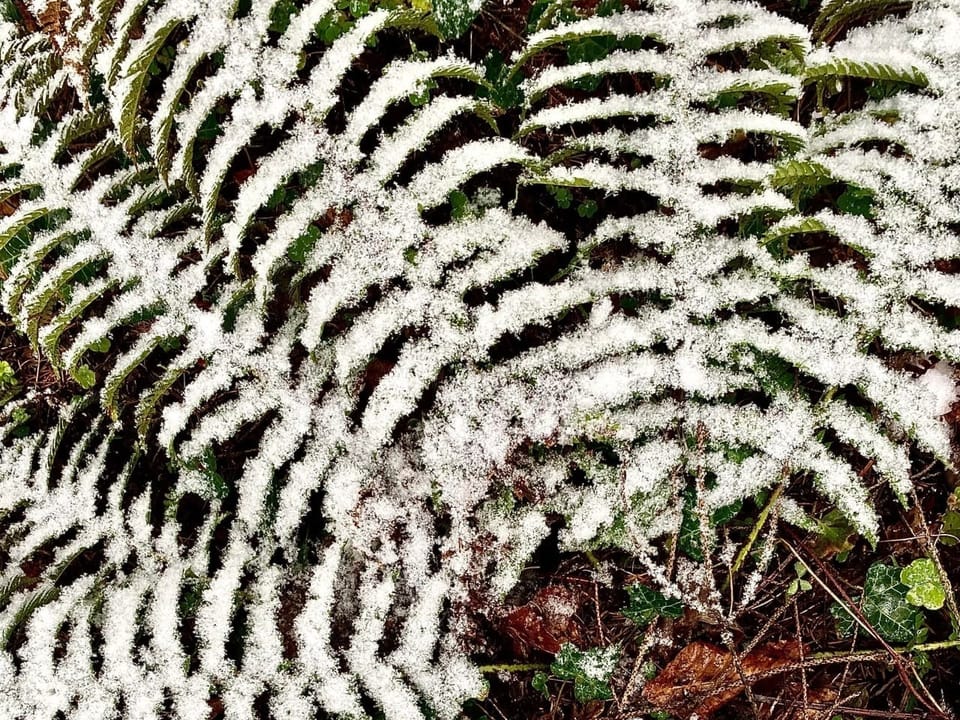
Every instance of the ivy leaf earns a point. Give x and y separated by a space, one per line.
587 50
689 537
885 606
301 247
836 536
208 467
723 515
926 590
280 16
774 373
458 204
845 621
644 604
590 670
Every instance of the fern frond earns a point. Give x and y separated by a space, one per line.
791 226
655 104
136 76
778 95
836 17
187 62
110 61
619 26
432 184
619 61
147 405
317 360
104 150
37 302
28 607
83 297
81 124
839 68
9 190
15 224
399 81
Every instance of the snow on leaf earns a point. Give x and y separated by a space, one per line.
590 670
644 604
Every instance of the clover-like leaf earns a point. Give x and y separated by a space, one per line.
590 670
85 377
926 590
539 683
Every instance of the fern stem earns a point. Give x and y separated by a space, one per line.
754 534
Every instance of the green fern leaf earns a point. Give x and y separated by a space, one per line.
137 75
838 16
37 600
840 68
21 222
83 298
787 228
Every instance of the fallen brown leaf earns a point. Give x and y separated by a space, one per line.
804 710
702 678
546 622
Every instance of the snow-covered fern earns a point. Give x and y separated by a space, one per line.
335 374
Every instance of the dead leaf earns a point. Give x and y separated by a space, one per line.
546 622
53 17
811 709
702 677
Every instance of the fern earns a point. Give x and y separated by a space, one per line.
136 76
835 17
329 346
843 68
